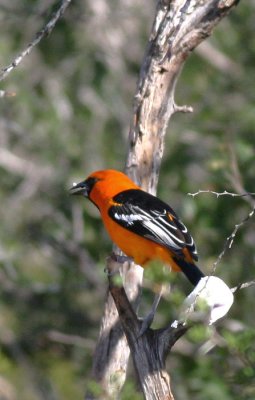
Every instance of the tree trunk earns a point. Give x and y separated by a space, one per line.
179 26
148 350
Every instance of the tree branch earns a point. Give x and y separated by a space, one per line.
219 60
219 194
45 31
244 285
148 351
179 26
230 239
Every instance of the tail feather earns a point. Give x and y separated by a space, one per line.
189 269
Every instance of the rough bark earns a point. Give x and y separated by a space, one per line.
149 350
179 26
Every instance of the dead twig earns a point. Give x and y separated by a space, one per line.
244 285
70 340
230 239
219 60
219 194
45 31
5 93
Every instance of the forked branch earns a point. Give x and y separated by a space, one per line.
179 27
149 350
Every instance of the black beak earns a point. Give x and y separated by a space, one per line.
81 188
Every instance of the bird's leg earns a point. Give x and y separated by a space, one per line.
147 321
113 263
121 258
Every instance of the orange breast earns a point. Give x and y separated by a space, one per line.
140 249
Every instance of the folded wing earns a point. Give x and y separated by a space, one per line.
151 218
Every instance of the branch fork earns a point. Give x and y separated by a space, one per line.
179 27
149 350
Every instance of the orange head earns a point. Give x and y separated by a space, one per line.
101 186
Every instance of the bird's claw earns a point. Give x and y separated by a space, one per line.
146 323
113 263
120 259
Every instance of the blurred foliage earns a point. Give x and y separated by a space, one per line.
70 116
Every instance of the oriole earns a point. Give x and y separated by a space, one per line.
140 224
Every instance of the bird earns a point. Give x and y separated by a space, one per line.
144 227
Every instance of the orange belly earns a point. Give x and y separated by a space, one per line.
140 249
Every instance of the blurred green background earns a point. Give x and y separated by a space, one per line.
71 116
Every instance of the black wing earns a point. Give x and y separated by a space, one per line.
151 218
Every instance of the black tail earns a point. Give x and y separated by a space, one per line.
191 270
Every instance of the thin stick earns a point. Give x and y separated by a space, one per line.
218 194
243 286
227 245
46 30
230 239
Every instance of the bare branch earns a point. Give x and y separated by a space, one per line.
243 286
149 350
218 194
183 109
218 59
235 176
179 27
5 93
230 239
45 31
228 242
20 166
71 340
